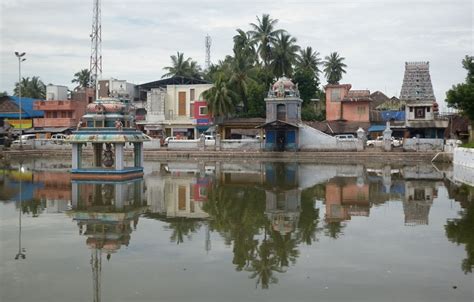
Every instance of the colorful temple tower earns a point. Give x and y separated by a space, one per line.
106 128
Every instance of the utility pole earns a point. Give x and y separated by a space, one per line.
208 42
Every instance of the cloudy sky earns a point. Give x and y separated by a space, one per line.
375 36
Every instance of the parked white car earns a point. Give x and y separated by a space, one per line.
59 136
378 142
345 136
25 138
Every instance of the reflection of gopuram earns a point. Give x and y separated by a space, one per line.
283 197
106 213
418 200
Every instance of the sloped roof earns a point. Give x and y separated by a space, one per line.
26 108
177 80
338 127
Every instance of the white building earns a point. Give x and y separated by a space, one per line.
170 106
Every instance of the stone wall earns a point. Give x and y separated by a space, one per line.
241 144
183 144
423 144
463 165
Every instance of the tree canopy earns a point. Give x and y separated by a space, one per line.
461 96
82 78
32 88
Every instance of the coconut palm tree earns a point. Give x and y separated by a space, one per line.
241 77
220 98
245 45
334 68
82 78
284 55
264 33
33 88
183 67
308 59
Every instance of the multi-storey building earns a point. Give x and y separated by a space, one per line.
175 107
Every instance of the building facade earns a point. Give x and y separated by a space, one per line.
175 107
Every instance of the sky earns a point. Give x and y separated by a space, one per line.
376 37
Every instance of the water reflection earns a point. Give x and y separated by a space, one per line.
265 211
106 213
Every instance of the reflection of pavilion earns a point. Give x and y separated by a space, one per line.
106 212
419 197
283 196
346 197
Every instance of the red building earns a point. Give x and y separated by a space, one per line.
201 115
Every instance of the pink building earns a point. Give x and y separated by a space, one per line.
342 103
63 113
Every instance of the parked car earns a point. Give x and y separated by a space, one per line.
378 142
24 139
169 138
58 136
345 136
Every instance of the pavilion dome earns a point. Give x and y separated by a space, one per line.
287 84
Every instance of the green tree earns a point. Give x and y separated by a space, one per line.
182 67
242 74
334 68
244 45
32 88
307 84
3 93
182 227
265 34
309 59
82 78
220 98
284 55
461 96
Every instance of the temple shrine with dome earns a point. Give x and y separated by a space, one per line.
283 116
108 128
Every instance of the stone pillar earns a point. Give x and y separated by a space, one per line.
387 178
361 139
202 142
119 196
218 142
75 156
142 155
119 164
75 194
387 138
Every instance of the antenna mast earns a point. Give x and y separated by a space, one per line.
208 42
96 47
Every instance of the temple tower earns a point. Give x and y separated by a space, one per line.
417 83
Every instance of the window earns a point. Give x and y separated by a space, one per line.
335 95
182 103
428 109
203 110
191 110
411 109
360 109
69 114
420 112
192 93
64 114
55 114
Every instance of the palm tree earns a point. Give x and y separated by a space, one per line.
308 59
82 78
284 55
334 68
181 227
245 45
241 76
220 98
182 67
33 88
264 33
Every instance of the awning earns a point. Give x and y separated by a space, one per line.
376 128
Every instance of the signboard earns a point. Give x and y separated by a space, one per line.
25 123
202 121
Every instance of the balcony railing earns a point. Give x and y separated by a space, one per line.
54 122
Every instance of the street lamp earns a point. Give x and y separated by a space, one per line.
20 59
21 251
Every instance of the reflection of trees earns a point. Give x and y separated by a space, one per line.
461 231
309 217
333 229
238 214
181 227
32 206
